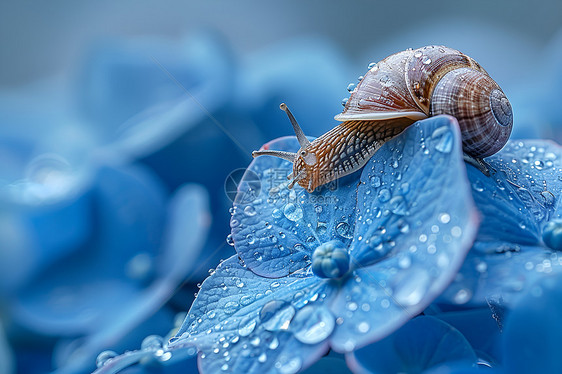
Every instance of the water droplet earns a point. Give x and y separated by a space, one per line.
477 186
426 61
247 325
539 165
344 230
398 205
371 65
230 307
290 367
444 218
313 324
211 314
384 195
277 213
230 240
344 101
293 212
262 358
462 296
445 136
403 226
239 283
411 289
351 87
224 367
277 315
250 238
249 211
363 327
418 54
375 181
104 356
273 344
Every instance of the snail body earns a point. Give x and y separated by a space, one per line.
394 93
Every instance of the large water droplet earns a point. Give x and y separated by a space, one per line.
344 230
277 315
292 366
104 356
313 324
247 325
230 307
445 142
411 289
249 211
375 181
384 195
230 240
293 212
152 342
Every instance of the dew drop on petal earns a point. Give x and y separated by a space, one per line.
411 289
344 230
277 315
313 324
247 325
293 212
384 195
230 307
445 139
292 366
152 342
249 211
375 181
104 356
462 296
230 240
363 327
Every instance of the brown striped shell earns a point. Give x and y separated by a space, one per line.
435 80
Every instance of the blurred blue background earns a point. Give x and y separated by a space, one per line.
120 122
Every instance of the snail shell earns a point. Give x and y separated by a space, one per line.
430 81
402 88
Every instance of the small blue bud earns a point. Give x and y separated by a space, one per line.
552 234
330 260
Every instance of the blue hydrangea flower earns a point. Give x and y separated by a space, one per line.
340 267
141 251
521 232
421 344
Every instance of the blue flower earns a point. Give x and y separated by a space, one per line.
139 251
421 344
521 233
341 267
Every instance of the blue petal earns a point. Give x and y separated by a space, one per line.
499 276
481 330
422 343
522 193
414 200
517 203
533 333
242 322
414 250
276 229
185 234
68 297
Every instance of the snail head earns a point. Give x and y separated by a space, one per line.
303 160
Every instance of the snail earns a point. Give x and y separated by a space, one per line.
401 89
